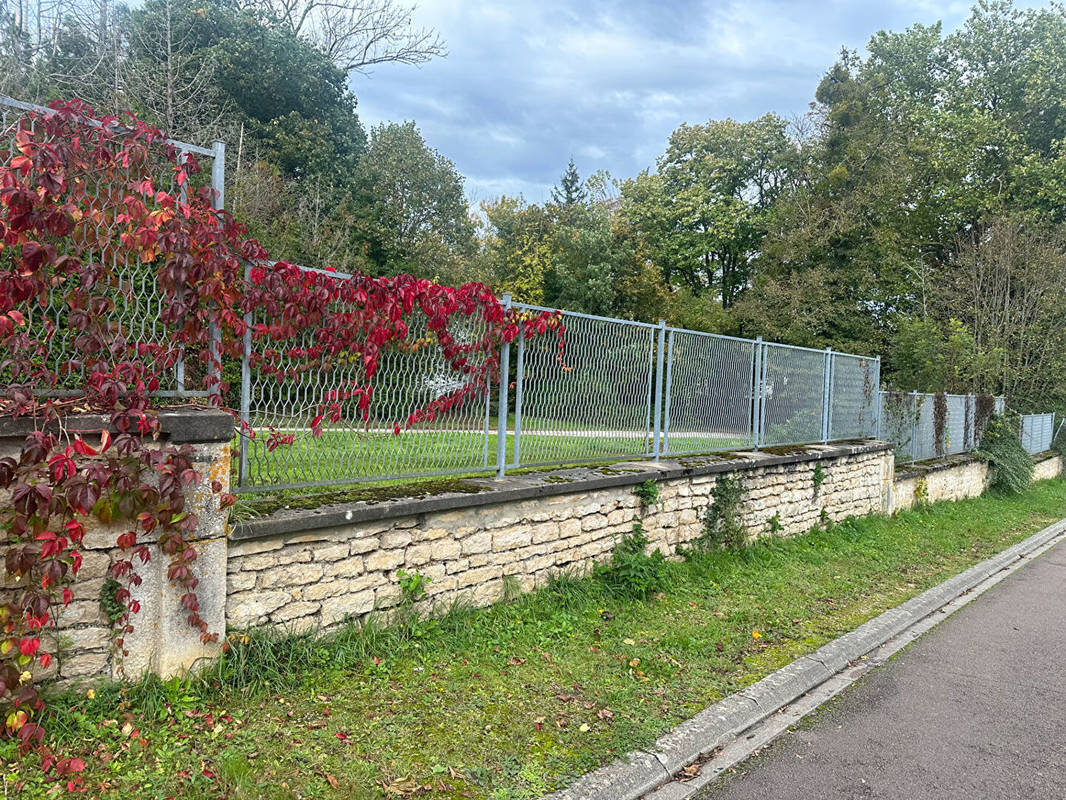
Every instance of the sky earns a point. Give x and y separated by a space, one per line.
529 84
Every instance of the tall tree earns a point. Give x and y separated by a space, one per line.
570 190
410 208
710 196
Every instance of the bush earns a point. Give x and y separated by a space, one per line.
1010 466
631 572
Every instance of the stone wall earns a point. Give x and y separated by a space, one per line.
954 478
162 641
313 570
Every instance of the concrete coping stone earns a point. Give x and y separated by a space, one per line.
542 484
180 424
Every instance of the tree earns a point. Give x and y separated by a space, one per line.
570 190
706 206
411 213
357 34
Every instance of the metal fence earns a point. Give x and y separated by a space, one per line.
616 389
910 421
135 294
1037 432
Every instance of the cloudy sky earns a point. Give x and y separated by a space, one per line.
528 84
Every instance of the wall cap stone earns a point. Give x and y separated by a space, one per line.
542 484
181 424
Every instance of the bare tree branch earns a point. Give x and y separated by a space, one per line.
357 34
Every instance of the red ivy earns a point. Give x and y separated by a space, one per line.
79 195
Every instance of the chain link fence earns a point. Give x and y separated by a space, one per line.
615 390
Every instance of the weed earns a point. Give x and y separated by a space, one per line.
631 572
819 476
722 525
648 492
412 587
112 607
774 525
921 491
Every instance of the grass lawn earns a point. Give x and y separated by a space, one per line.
515 700
351 455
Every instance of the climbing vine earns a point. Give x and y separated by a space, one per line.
78 196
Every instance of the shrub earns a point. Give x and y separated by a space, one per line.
648 492
722 526
631 572
1011 468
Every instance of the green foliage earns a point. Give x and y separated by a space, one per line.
648 492
112 607
1058 444
818 478
1010 466
774 525
632 572
722 524
412 586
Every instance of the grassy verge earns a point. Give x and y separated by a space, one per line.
512 701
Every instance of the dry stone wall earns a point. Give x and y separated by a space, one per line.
955 478
310 578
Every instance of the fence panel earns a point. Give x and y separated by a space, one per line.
353 450
1037 432
853 407
708 402
792 397
137 301
590 401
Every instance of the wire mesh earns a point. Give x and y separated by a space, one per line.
1037 432
853 407
591 400
708 403
410 375
955 424
793 392
133 289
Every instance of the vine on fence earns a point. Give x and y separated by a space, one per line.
77 196
940 422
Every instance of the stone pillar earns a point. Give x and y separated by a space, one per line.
162 641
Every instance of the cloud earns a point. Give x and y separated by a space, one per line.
528 84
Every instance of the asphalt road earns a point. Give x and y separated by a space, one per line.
974 710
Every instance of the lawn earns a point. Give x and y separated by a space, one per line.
514 700
342 455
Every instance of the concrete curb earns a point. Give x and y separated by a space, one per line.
717 726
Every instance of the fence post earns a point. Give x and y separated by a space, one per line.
501 410
916 410
669 391
827 398
878 404
659 361
517 461
756 395
218 202
246 390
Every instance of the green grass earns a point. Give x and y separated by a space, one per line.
514 700
348 455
